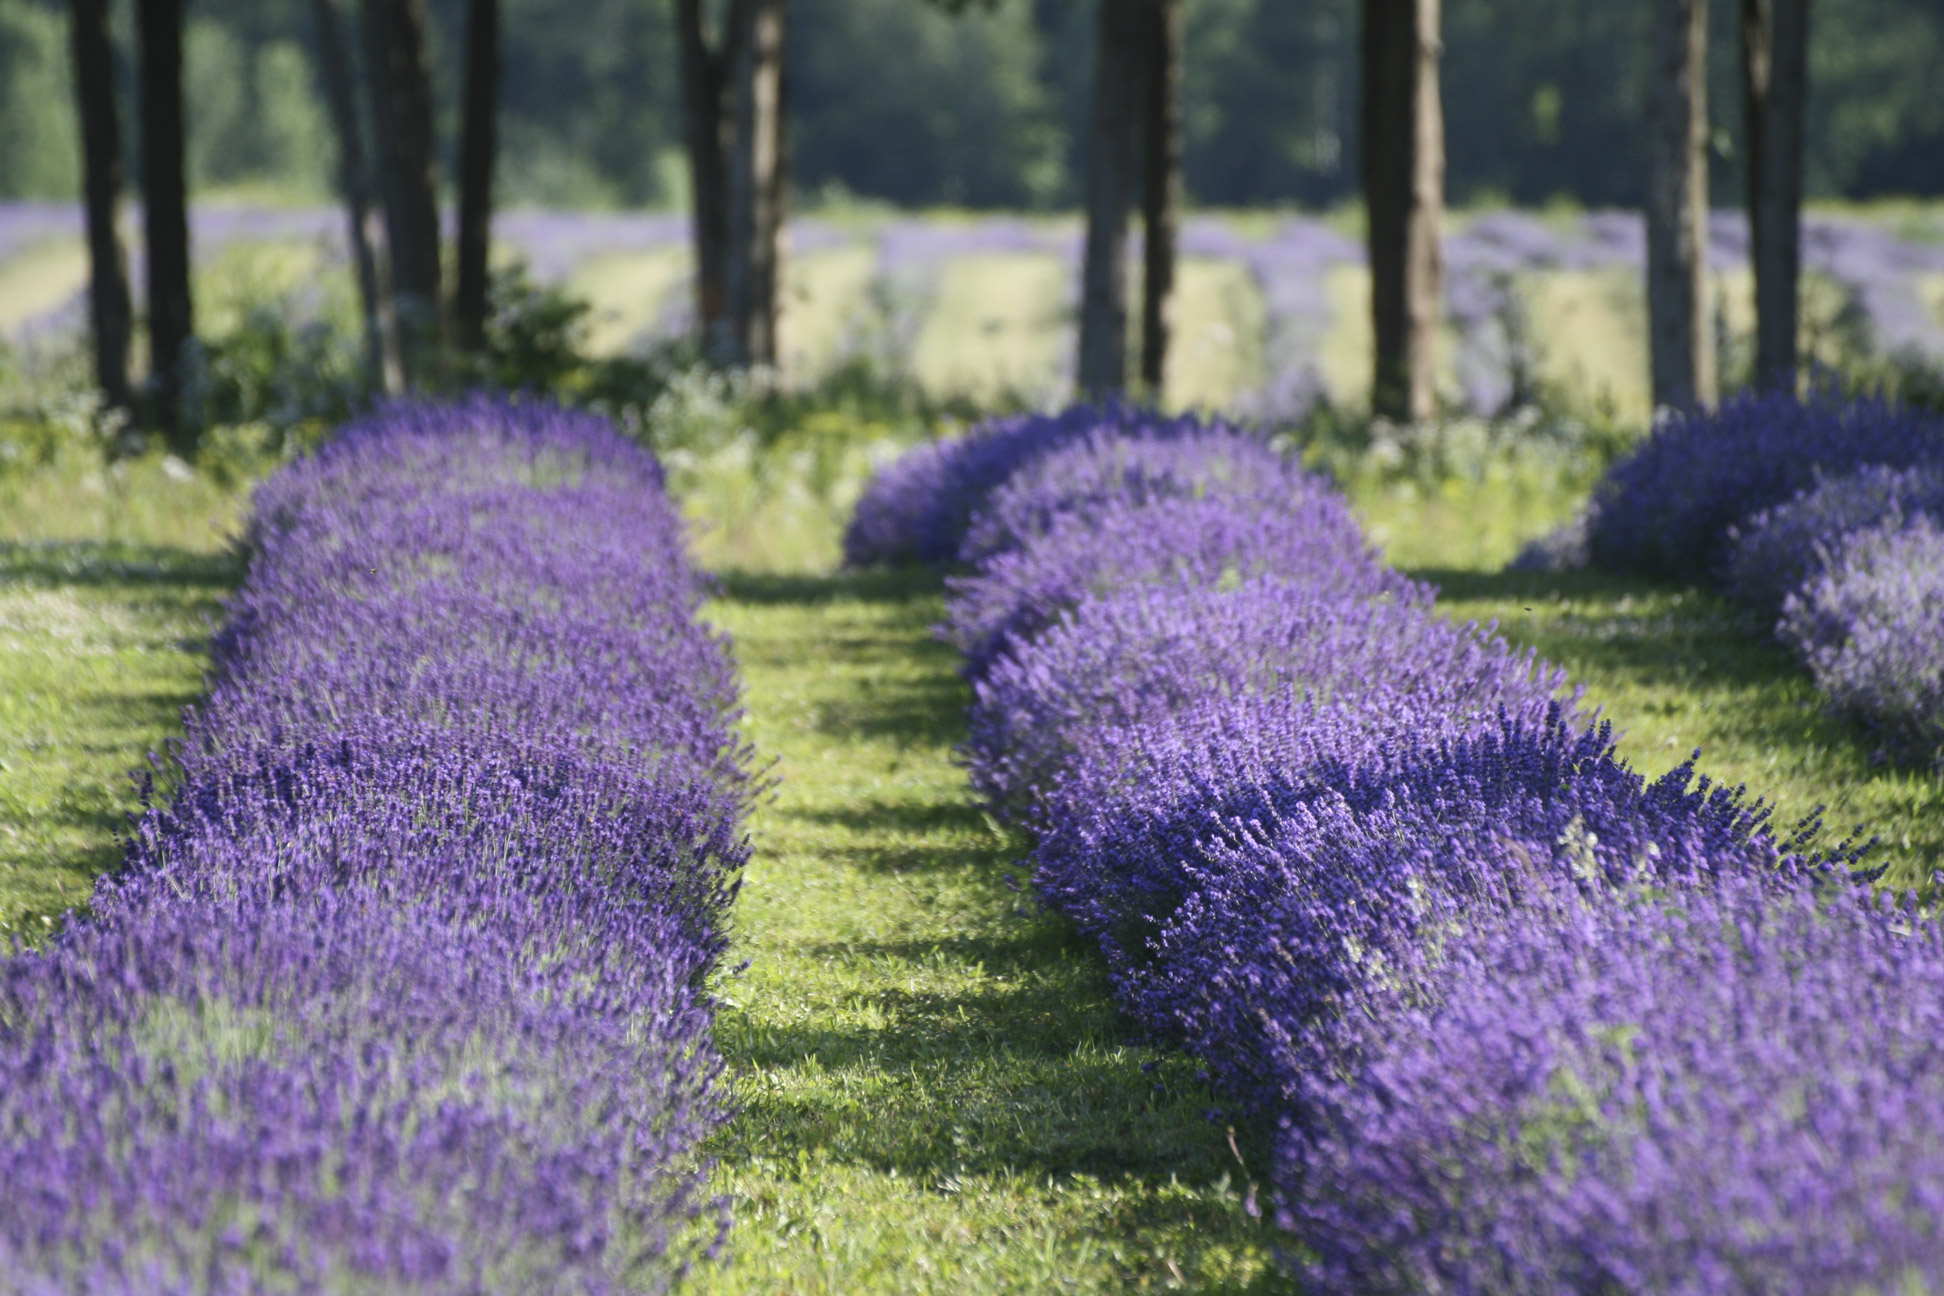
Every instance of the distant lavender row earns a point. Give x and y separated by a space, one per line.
1289 266
404 989
1419 921
1826 520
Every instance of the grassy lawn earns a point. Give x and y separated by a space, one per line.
937 1092
108 589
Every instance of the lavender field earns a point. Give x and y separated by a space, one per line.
1273 309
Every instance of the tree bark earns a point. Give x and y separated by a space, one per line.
1403 173
165 207
1102 369
383 369
752 267
1775 76
476 154
401 95
706 120
1161 205
110 312
1681 343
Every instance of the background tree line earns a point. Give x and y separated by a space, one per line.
900 101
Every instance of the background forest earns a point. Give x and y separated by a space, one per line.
900 101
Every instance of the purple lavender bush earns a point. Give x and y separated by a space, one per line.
1305 534
1734 1089
1141 655
1516 1018
1109 468
1666 509
1778 550
920 507
1871 629
1307 896
405 989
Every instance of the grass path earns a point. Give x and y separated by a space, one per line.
108 591
937 1091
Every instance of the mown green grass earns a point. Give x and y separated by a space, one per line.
109 585
937 1092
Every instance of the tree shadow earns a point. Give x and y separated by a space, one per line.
864 585
96 564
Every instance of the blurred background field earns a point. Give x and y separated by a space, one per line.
1272 315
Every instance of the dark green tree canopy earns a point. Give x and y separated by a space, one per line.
983 102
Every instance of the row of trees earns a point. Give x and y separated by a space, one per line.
732 65
409 321
1135 143
1137 91
732 76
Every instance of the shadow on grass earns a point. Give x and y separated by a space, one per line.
870 585
91 564
98 727
1022 1069
979 1038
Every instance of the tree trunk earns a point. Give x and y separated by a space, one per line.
1775 76
110 313
383 370
1161 214
476 174
401 95
1403 171
1110 167
165 206
752 268
706 119
1680 339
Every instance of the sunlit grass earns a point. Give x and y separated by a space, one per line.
827 295
1220 323
109 587
996 325
43 277
628 292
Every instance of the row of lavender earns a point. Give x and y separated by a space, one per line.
404 991
1826 521
1513 1018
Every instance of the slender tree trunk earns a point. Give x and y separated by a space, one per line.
706 118
401 92
1403 167
383 369
1775 77
753 265
165 205
110 313
1681 342
476 174
1110 185
1161 206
